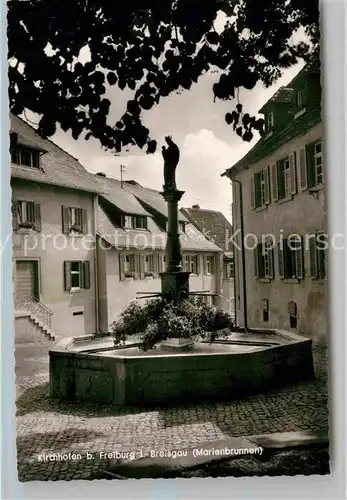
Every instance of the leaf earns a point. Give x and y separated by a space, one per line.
247 136
229 118
146 102
212 37
246 119
112 78
151 147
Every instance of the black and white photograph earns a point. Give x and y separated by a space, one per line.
169 239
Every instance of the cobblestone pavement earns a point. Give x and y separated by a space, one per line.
45 426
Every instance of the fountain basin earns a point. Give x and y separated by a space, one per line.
92 369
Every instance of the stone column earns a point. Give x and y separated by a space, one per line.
174 281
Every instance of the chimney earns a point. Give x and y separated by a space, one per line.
196 207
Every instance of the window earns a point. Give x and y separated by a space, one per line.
229 270
209 264
293 314
147 265
129 265
77 275
127 221
301 97
134 222
311 165
26 214
283 180
269 122
317 249
74 220
25 157
290 259
191 264
263 261
260 189
265 310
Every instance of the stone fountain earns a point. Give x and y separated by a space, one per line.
92 369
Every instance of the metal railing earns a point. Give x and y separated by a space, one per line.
36 308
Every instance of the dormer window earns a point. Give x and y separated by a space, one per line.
25 157
269 122
301 97
134 222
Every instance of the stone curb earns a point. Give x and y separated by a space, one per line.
164 465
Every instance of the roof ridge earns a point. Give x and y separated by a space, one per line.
203 210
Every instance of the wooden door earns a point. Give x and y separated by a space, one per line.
26 279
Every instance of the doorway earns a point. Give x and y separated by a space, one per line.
27 279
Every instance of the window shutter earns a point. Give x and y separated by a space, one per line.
303 169
271 262
280 256
66 219
37 216
84 220
299 264
30 211
136 260
311 168
14 215
252 191
121 266
274 182
313 257
292 167
256 261
86 274
67 275
267 185
280 179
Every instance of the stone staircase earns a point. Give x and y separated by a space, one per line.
32 320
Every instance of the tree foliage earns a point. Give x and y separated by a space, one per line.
150 47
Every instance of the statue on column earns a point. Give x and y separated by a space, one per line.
171 156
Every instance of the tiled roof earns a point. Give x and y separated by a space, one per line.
120 197
295 127
58 167
283 95
152 199
120 238
213 224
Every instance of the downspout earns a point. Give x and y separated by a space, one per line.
234 277
243 254
96 270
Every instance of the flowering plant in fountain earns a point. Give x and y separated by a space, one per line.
159 320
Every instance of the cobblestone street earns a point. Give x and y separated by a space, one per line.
45 426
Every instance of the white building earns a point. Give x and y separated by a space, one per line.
282 180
